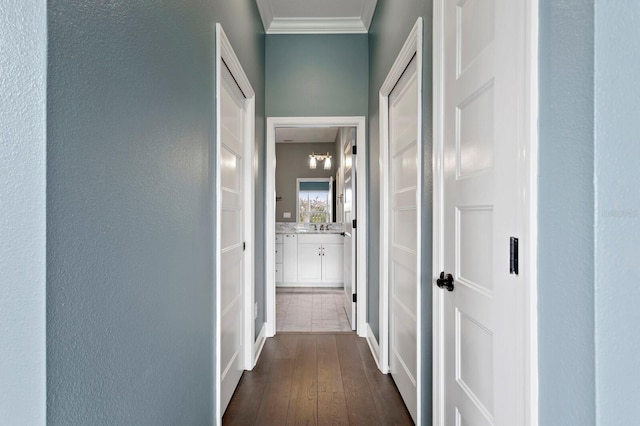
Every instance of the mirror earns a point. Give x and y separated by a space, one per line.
315 200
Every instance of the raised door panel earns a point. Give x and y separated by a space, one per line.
309 263
332 263
290 258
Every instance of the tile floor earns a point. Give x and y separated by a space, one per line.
310 309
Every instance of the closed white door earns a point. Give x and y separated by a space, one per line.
403 239
349 213
482 316
232 104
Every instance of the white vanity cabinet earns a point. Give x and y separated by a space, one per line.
320 259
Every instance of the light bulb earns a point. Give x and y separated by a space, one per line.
312 162
327 163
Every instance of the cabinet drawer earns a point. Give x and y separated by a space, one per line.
279 272
279 253
320 239
278 238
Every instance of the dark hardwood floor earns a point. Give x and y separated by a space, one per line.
316 379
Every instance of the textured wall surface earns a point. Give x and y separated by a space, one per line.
617 108
565 215
130 206
23 59
391 25
292 162
316 75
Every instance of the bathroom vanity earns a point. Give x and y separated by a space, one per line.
307 256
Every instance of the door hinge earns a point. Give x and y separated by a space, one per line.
355 297
513 255
244 246
353 224
353 150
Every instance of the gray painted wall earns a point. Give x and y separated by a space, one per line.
391 25
130 205
316 75
23 62
565 215
292 162
617 149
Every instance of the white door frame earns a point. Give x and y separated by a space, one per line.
412 47
224 52
528 171
361 203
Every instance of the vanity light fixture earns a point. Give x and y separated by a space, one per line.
314 158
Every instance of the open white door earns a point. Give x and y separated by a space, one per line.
400 212
349 214
234 152
482 153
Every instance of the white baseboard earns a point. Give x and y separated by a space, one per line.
374 347
259 344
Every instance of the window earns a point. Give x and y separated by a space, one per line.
314 200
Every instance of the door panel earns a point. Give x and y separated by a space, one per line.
349 213
483 382
403 277
232 236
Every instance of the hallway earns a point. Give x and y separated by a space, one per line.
316 378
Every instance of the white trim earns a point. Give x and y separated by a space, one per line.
224 52
270 212
528 168
530 181
368 9
266 13
317 26
373 345
438 401
259 344
412 47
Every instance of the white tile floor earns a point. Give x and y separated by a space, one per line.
310 309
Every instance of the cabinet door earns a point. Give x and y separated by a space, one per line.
309 263
290 258
332 263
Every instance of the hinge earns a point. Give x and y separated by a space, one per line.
355 297
353 150
513 255
244 246
353 224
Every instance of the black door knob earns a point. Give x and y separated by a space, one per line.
445 281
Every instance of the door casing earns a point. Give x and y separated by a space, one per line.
224 52
270 212
528 170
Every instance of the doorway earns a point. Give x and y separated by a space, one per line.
308 244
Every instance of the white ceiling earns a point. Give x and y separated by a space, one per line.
306 134
316 16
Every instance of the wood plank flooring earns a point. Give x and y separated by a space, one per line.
316 379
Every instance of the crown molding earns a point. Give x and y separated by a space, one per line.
316 26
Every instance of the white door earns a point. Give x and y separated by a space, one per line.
403 239
232 104
482 317
349 213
